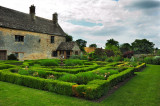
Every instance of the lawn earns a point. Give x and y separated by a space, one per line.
141 90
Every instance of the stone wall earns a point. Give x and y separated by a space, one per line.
35 45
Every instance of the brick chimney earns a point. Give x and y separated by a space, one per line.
32 12
55 18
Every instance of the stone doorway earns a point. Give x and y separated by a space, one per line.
3 55
68 54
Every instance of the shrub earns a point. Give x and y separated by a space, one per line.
6 66
68 78
128 54
85 77
75 57
109 60
107 72
109 53
73 62
23 72
12 57
148 60
156 60
49 62
118 58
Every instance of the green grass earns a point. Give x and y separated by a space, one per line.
142 90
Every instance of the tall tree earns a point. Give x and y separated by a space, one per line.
113 45
112 42
93 45
82 43
68 38
125 47
142 46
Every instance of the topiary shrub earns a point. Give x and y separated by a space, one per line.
73 62
85 77
23 72
68 78
12 57
148 60
49 62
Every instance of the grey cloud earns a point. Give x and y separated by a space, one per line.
146 4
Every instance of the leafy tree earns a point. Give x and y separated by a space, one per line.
142 46
69 38
113 45
112 42
125 47
113 48
82 43
93 45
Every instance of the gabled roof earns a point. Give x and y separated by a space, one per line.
66 45
17 20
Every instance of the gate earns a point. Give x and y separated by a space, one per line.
3 54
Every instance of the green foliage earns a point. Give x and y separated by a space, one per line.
125 47
156 60
97 79
107 72
12 57
142 46
73 62
158 52
112 42
148 60
83 78
49 62
93 45
68 78
81 57
82 43
23 72
109 59
118 58
69 38
38 83
5 66
113 48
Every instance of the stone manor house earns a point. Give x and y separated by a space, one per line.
30 37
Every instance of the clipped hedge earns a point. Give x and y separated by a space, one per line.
77 70
97 88
96 84
73 62
5 66
57 86
140 67
49 62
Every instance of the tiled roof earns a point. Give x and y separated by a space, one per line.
17 20
66 45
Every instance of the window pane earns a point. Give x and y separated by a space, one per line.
52 39
19 38
54 53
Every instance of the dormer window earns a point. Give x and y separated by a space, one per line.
19 38
52 39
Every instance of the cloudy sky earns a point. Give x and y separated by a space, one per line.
96 21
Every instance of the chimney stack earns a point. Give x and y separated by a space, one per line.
32 11
55 18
